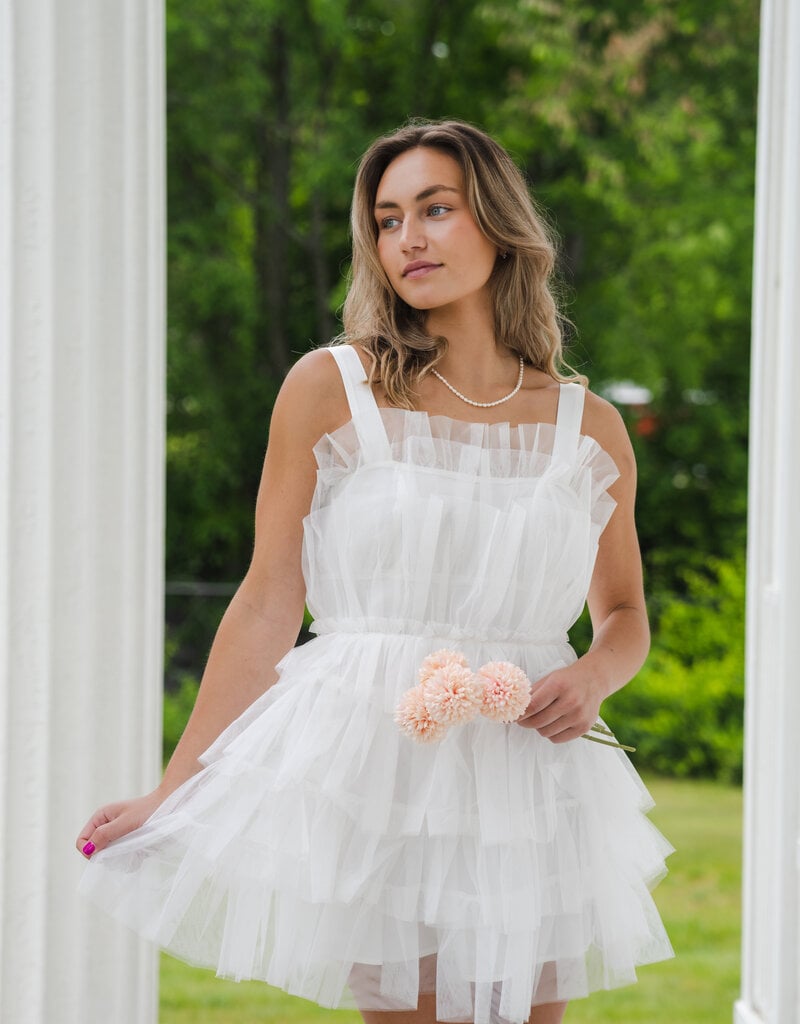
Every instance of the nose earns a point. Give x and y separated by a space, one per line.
412 235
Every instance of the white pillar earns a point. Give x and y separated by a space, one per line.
771 947
81 483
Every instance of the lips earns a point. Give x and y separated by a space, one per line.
419 268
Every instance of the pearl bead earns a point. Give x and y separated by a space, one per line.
484 405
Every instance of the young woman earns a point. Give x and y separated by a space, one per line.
445 496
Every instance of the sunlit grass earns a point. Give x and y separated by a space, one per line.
699 901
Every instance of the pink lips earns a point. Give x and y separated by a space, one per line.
419 268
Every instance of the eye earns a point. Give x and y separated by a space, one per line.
437 210
387 223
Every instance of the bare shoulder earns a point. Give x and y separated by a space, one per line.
602 421
312 399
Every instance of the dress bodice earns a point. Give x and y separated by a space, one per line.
429 525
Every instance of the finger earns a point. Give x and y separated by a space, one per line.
114 829
88 830
544 718
571 727
87 841
553 728
560 737
526 723
546 693
566 735
544 722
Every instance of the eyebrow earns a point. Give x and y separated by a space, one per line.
426 193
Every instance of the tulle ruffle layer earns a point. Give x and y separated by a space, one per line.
324 853
496 450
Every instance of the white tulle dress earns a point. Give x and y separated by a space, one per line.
324 852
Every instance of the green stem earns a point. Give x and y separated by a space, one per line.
608 743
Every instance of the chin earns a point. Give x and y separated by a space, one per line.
421 306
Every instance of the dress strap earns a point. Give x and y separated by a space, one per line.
568 421
363 407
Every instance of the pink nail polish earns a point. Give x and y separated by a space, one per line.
89 848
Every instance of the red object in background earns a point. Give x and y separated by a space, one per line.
646 423
635 399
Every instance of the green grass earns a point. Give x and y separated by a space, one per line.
699 901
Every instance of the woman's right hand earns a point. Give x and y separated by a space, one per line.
113 821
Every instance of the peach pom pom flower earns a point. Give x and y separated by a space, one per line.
449 693
453 694
414 719
438 660
506 691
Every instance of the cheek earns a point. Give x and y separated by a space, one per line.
476 248
383 248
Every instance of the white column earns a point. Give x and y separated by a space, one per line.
81 483
771 947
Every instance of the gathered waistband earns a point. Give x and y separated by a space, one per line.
440 630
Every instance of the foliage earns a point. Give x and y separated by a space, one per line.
640 137
634 122
178 703
683 712
269 105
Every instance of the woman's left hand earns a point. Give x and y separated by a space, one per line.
564 704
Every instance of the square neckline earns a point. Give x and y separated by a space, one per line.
368 420
350 423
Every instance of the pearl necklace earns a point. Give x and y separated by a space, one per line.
484 405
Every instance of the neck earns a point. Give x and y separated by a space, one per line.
474 358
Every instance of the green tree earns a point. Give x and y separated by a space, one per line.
635 125
684 710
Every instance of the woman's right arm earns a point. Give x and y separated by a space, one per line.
264 617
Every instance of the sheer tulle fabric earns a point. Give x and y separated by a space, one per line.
323 852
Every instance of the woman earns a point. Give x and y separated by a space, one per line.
300 835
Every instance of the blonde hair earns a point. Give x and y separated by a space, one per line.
526 317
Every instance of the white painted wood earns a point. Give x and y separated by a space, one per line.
742 1014
771 944
81 483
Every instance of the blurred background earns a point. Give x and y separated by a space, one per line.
634 122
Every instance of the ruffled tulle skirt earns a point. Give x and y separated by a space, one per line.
323 852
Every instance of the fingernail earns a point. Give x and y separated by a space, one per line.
89 849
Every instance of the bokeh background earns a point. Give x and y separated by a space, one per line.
634 122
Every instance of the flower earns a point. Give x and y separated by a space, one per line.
506 691
440 659
414 719
452 693
449 693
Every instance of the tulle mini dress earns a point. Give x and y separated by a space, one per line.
321 849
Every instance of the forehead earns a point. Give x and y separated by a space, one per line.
416 170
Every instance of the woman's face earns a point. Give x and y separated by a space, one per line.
433 252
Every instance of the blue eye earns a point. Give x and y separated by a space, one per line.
438 209
388 222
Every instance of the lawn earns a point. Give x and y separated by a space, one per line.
699 901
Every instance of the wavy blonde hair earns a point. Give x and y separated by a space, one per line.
526 317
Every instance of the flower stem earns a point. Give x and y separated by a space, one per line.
605 731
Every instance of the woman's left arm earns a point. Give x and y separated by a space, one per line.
565 704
